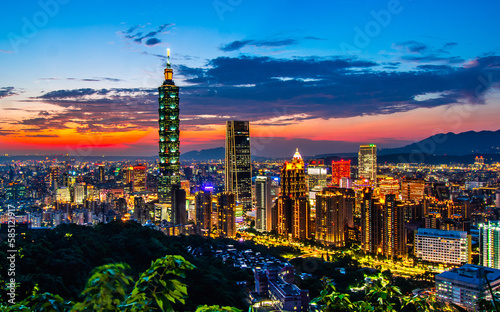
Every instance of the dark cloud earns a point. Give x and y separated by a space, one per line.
272 91
7 132
94 79
41 136
152 42
421 52
97 110
237 45
7 91
257 88
138 37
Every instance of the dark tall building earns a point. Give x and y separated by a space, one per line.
238 162
226 215
293 209
178 212
203 207
333 211
139 209
169 136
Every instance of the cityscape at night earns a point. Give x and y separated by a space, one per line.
230 155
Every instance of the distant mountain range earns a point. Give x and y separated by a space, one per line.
465 143
439 148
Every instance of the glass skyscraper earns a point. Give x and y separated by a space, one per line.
367 162
168 120
238 162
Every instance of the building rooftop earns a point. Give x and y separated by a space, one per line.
471 274
441 233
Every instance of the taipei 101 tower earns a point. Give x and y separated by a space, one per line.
168 99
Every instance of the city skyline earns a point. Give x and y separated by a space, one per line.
83 81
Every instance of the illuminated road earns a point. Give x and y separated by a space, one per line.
365 261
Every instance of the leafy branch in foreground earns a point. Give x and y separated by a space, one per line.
157 289
380 295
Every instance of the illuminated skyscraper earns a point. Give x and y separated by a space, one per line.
226 215
293 210
412 189
263 203
489 244
394 228
340 169
54 177
367 162
238 162
316 173
139 178
371 223
169 136
333 210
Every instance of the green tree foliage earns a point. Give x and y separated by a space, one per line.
379 295
61 260
157 289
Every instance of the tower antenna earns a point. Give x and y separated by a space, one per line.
168 57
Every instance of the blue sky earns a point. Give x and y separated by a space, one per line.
323 75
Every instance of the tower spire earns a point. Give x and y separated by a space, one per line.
168 58
169 73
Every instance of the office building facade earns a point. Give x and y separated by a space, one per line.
446 247
238 167
367 162
464 286
489 244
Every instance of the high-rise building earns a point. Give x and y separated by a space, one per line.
238 170
293 209
447 247
139 178
101 174
54 177
178 211
489 244
203 207
316 173
394 228
79 193
263 203
168 121
226 215
333 211
412 189
372 217
340 169
367 162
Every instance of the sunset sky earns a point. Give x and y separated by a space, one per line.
81 77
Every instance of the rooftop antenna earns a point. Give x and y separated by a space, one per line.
168 57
